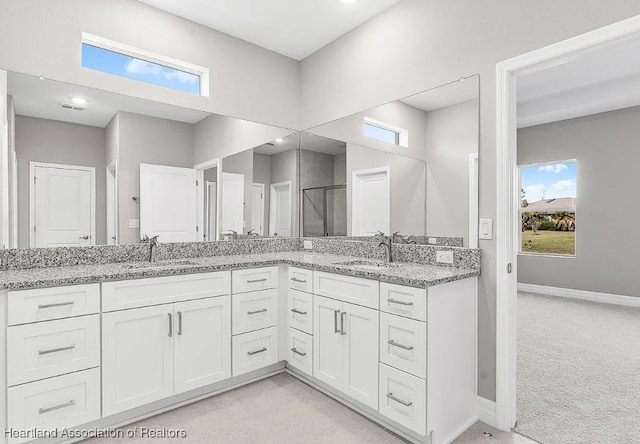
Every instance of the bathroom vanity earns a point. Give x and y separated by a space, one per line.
98 346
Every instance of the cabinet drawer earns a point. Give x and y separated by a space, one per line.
254 350
300 311
51 348
301 279
300 351
44 304
347 288
253 279
253 311
55 403
404 301
135 293
403 344
403 399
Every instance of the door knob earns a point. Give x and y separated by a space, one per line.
86 237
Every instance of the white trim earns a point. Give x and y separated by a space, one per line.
113 166
355 176
272 205
263 191
486 411
32 198
583 295
4 160
508 192
200 213
132 51
473 201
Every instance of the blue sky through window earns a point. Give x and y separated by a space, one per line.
382 134
122 65
551 181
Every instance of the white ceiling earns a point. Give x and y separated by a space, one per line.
605 79
41 98
295 28
274 147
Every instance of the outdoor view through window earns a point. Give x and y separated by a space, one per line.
548 208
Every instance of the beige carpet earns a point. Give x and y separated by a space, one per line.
578 371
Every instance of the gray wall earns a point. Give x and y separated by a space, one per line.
407 186
262 174
607 236
242 163
49 141
144 139
452 134
284 167
419 45
245 80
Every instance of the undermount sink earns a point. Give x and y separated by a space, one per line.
368 265
169 263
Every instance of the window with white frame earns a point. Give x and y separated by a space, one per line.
385 132
123 60
548 208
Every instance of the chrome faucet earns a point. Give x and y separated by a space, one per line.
252 232
387 244
233 233
153 250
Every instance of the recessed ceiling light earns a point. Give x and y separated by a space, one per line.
78 100
279 140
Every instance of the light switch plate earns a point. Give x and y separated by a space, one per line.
308 245
486 229
432 241
134 223
444 257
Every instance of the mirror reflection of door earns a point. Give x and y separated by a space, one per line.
210 210
62 205
371 202
232 207
257 208
112 204
168 203
280 211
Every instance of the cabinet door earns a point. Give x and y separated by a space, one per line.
360 353
327 341
202 347
137 357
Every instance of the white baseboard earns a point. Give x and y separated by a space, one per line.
606 298
486 411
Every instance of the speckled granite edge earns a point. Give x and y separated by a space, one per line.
17 259
420 240
421 254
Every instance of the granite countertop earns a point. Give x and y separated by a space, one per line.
411 274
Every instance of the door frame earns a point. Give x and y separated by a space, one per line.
32 198
262 207
473 201
508 193
201 217
207 191
355 179
112 184
272 204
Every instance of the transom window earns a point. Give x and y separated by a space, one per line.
126 61
385 132
548 208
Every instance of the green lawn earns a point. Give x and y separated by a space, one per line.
553 242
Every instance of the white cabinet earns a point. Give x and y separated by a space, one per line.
252 279
403 398
403 344
300 311
255 310
300 351
346 349
155 352
347 288
301 279
255 350
405 301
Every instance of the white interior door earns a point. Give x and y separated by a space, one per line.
257 208
112 204
232 202
62 205
371 202
280 211
168 203
211 210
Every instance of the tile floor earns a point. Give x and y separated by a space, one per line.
281 409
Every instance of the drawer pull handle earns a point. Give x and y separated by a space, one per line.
56 350
295 310
57 304
343 317
255 352
301 281
170 325
295 350
394 343
179 323
56 407
262 310
335 321
256 280
395 301
396 399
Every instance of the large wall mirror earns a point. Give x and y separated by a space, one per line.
90 167
408 167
